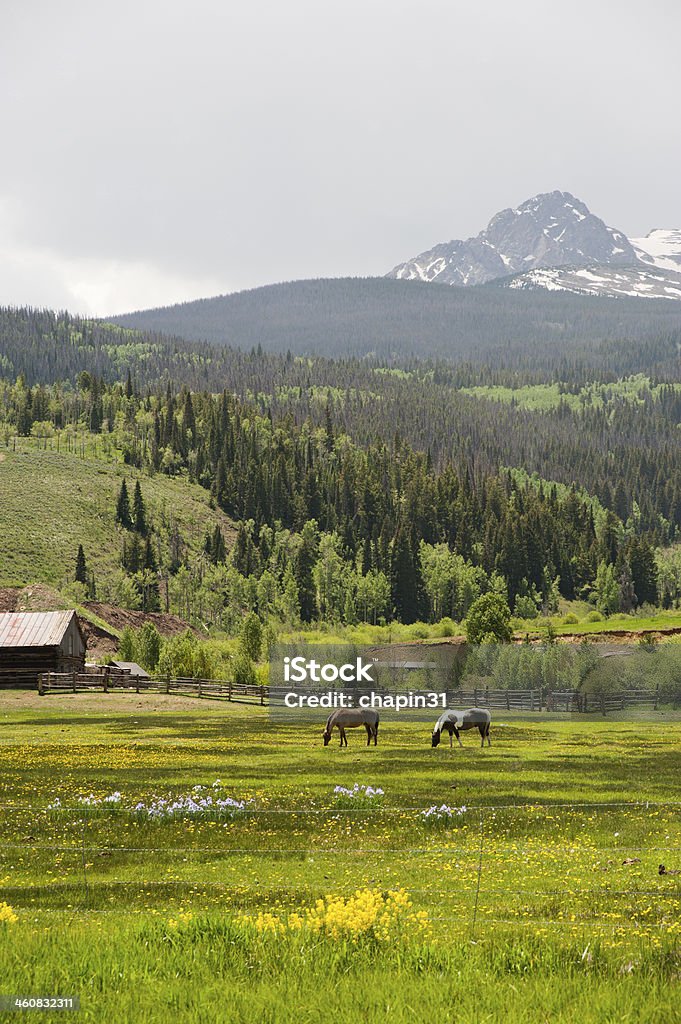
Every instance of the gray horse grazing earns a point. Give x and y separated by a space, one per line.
455 722
350 718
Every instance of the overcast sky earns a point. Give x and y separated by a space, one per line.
155 151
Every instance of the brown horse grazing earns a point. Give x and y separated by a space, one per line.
351 718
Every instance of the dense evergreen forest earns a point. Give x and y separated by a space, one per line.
402 319
363 491
46 346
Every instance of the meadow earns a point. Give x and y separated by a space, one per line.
544 397
267 895
54 501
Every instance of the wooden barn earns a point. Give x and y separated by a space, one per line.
35 642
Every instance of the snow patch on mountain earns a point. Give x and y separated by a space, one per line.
607 282
661 247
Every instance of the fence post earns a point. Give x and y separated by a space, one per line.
74 680
41 686
531 700
262 695
200 681
229 690
603 704
168 683
106 679
657 695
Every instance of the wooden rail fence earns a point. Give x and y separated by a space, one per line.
109 680
544 700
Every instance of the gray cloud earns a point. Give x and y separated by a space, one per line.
160 150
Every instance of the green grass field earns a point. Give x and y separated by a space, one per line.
522 909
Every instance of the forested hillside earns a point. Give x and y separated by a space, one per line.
345 513
389 319
618 441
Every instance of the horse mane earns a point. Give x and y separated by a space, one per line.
440 722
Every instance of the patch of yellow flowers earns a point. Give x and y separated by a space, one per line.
7 915
183 917
368 913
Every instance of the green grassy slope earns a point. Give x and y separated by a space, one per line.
543 397
52 502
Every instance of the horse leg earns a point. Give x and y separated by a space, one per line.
376 734
482 735
458 738
368 729
341 731
489 742
451 737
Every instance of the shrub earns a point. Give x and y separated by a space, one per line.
127 648
243 671
570 619
525 608
148 647
419 632
488 620
250 638
595 616
184 657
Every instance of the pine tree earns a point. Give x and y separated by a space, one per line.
133 555
150 561
96 415
81 567
643 571
406 580
123 508
244 555
328 426
139 512
627 595
219 549
303 571
189 419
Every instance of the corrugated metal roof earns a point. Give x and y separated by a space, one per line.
34 629
132 667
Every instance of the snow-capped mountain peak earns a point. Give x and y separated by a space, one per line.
555 232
